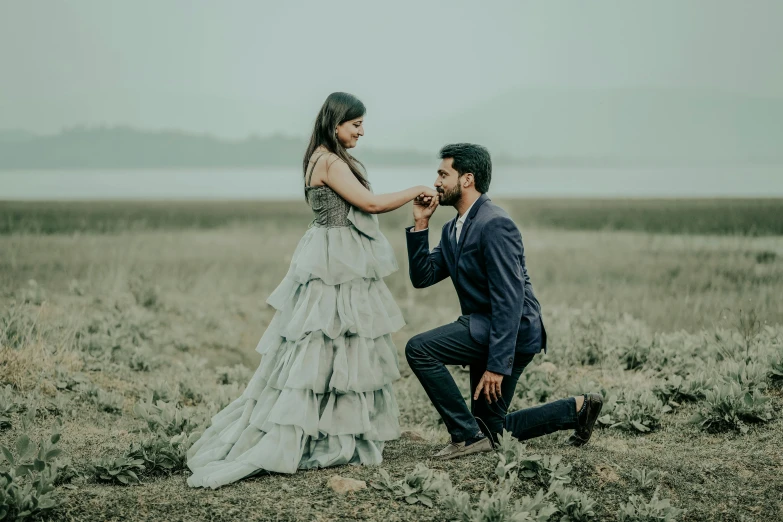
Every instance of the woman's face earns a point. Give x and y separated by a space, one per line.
349 131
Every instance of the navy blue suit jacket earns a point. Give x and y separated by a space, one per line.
487 268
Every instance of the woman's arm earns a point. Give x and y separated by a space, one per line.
340 178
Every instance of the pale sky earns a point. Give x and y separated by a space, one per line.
232 68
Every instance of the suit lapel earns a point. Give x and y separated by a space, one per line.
468 221
464 233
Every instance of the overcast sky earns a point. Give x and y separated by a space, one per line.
235 67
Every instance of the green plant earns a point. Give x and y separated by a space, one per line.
121 470
749 375
776 367
28 476
730 407
749 328
421 485
165 417
635 355
191 391
494 505
60 404
548 469
161 390
18 323
589 339
656 510
675 389
510 448
634 411
645 477
64 380
66 472
145 293
572 505
161 454
139 360
9 402
107 401
237 374
534 386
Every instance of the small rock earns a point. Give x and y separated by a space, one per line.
342 485
412 435
547 367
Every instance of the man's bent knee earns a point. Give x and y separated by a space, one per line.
414 350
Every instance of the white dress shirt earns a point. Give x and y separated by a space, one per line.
461 220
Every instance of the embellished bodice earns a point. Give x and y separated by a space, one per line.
329 208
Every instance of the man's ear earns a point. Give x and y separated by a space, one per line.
470 178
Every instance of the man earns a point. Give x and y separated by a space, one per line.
501 328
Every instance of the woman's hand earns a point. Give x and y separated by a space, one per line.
428 191
424 206
426 195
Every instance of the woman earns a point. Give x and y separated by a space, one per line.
322 394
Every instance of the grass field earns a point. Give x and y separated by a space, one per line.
744 217
670 309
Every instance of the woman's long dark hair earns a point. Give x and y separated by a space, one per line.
338 108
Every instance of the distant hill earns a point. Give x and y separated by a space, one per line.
618 126
124 147
582 127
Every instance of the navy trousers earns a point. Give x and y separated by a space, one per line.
428 354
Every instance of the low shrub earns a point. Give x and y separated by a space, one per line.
731 407
120 470
634 411
637 509
29 474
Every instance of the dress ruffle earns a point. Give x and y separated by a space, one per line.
340 254
322 394
363 307
320 364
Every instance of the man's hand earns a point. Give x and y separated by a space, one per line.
423 210
490 383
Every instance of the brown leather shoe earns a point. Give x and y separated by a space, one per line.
586 420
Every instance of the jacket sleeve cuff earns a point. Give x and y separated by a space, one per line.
410 230
496 369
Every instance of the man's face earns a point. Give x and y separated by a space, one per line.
448 183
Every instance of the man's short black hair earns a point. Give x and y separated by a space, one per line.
468 157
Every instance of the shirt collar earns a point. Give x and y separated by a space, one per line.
465 215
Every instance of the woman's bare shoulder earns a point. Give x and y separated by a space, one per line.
324 157
323 162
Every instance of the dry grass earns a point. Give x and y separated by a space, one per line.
192 301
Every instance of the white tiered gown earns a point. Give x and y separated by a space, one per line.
322 394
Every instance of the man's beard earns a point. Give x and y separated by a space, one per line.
451 197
